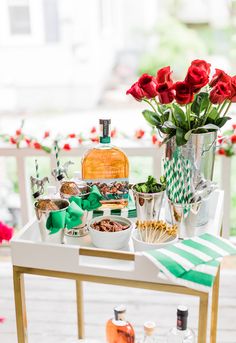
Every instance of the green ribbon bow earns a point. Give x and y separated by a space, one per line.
72 215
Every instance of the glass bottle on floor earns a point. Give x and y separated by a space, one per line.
181 333
118 329
149 333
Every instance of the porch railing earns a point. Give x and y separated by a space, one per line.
20 156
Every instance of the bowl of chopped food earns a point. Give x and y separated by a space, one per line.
110 232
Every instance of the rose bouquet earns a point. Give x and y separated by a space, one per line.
197 104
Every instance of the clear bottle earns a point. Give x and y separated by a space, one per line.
108 167
118 329
181 333
149 333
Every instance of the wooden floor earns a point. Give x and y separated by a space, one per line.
51 308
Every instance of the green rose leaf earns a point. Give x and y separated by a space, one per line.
200 103
179 116
180 139
221 121
151 117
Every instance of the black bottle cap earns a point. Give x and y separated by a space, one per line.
102 121
182 311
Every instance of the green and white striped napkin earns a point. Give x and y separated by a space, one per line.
192 262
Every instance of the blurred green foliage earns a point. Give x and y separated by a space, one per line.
176 45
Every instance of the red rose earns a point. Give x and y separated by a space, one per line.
220 92
220 139
66 146
233 89
233 139
148 84
113 133
18 132
139 134
71 135
221 151
163 75
93 130
37 145
184 93
46 134
198 75
12 140
95 139
165 93
219 75
234 126
154 139
28 141
202 65
80 140
136 92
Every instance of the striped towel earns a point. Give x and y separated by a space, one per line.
192 262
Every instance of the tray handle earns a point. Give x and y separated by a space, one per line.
112 254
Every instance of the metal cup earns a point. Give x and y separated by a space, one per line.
148 205
42 217
189 218
84 218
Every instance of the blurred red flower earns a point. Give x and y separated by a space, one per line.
233 139
18 132
37 145
12 140
71 135
221 151
46 134
139 134
66 146
93 130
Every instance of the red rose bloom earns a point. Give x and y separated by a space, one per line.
220 139
113 133
46 134
66 146
80 140
37 145
233 139
136 92
234 126
18 132
221 151
28 141
71 135
12 140
165 93
93 130
219 75
148 84
198 75
154 139
163 75
183 93
233 89
202 65
139 134
220 92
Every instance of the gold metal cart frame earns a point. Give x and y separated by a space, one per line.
20 306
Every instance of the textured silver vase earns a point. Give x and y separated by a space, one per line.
148 205
200 150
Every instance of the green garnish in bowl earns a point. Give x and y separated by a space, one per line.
151 185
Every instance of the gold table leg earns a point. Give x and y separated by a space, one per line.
214 307
202 319
80 308
19 293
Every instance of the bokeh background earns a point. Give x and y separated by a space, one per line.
64 64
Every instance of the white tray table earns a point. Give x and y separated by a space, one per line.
87 263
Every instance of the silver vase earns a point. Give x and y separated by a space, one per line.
200 150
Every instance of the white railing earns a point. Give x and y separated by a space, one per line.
20 156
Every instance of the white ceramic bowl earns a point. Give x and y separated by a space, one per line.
111 240
143 246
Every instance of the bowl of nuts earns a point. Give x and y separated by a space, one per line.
110 232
